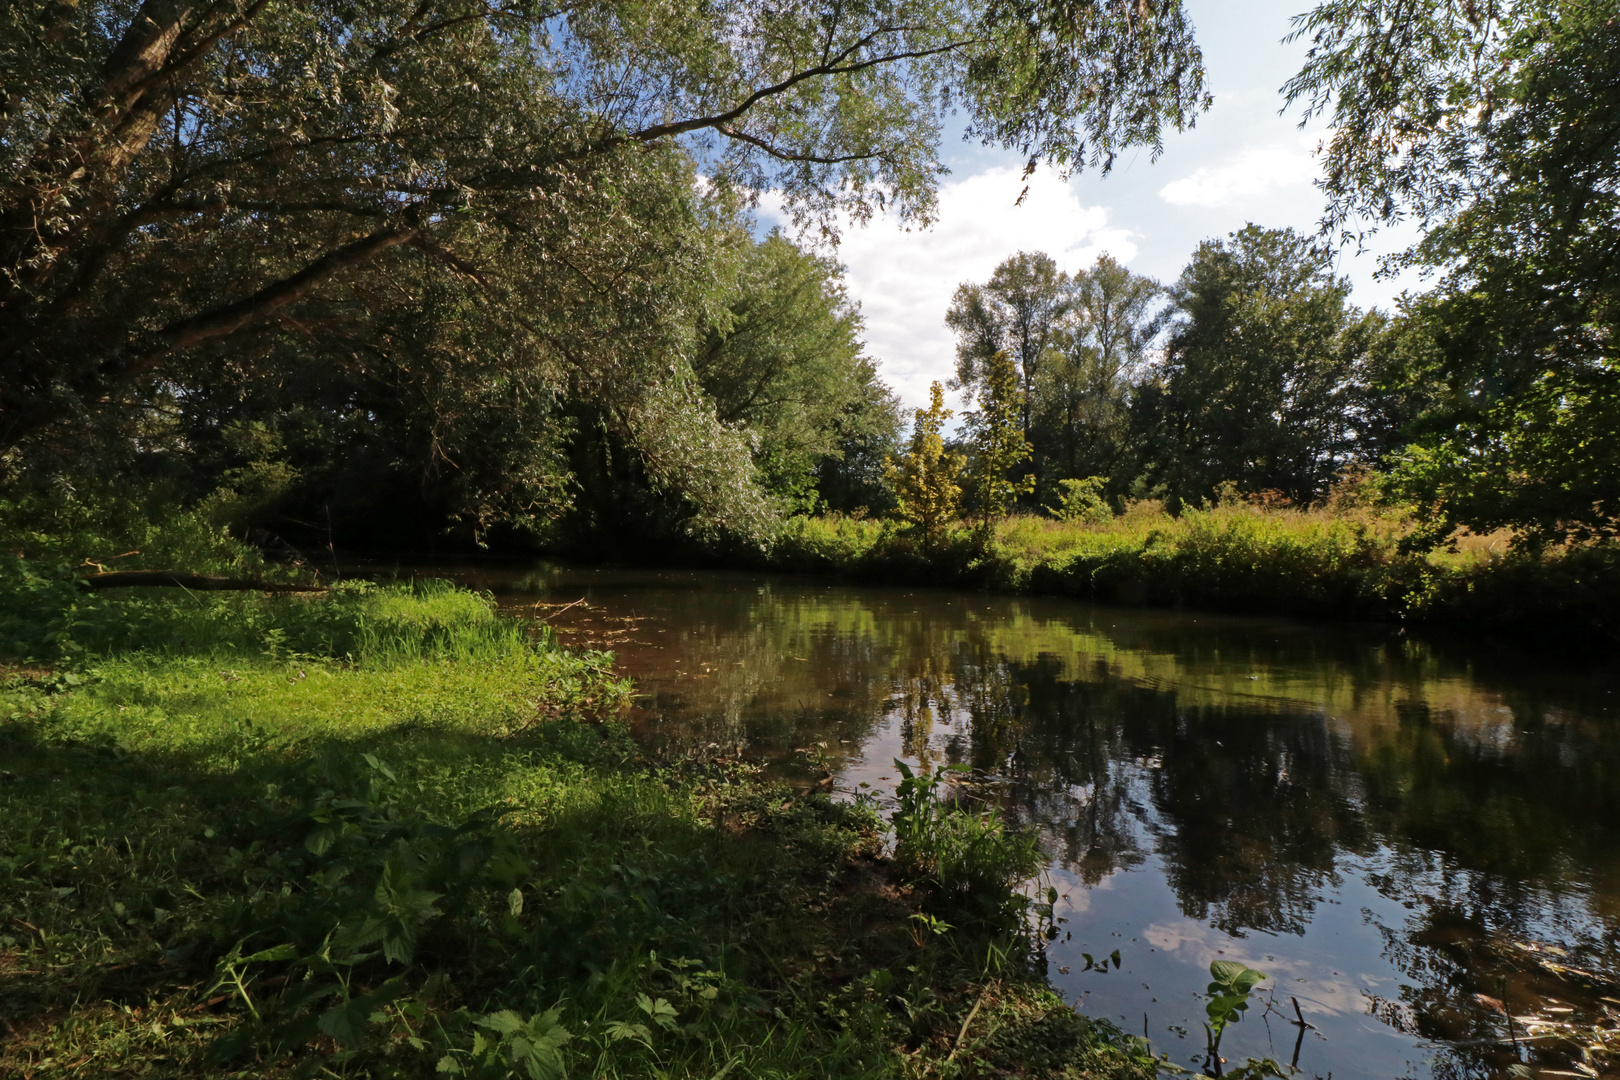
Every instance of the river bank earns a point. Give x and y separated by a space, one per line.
384 831
1333 564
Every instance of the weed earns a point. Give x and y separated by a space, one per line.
1228 992
968 859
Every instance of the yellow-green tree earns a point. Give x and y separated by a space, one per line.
925 478
999 445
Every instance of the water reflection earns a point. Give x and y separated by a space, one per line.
1418 841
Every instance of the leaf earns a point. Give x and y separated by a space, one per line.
505 1022
661 1011
448 1064
347 1020
1224 971
619 1030
280 952
1248 980
514 902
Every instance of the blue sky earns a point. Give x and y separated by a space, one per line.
1243 162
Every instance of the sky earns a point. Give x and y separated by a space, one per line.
1243 162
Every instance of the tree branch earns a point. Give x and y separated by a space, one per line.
789 155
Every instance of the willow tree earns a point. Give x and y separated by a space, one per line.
185 179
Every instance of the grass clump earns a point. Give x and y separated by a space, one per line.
382 832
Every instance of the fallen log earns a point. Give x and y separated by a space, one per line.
120 579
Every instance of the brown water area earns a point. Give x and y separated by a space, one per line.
1419 841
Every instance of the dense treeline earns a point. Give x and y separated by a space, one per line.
1252 370
390 275
1489 402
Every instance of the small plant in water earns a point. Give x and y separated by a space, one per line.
1229 989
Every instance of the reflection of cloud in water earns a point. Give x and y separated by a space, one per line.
1319 992
1074 895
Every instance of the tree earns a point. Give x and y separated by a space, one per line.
925 479
997 441
1018 312
853 479
786 364
1255 384
1492 125
1082 398
179 180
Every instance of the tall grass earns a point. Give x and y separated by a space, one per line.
1332 562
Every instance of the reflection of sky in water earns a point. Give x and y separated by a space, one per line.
1371 820
1335 971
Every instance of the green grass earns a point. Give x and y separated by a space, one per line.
383 832
1342 563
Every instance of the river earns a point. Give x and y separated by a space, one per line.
1417 840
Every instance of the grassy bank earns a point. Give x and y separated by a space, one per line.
1332 563
383 832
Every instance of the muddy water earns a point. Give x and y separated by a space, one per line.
1418 842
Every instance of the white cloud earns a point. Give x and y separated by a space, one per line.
1257 171
1319 988
904 280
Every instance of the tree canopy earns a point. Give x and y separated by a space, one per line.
1255 385
1491 124
186 185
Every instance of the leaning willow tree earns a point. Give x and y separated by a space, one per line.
504 192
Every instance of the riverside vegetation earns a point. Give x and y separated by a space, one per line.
384 831
1335 561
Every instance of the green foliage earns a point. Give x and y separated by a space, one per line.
970 860
1082 501
1228 992
404 240
997 442
925 479
1081 401
513 1046
1487 123
391 865
1256 385
1350 559
786 366
1017 314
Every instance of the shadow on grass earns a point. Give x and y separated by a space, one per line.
388 904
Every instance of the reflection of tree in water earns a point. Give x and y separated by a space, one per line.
1251 762
1252 808
1496 838
1246 808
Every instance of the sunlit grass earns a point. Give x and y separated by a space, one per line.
383 832
1333 562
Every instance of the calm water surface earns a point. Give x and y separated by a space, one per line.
1417 841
